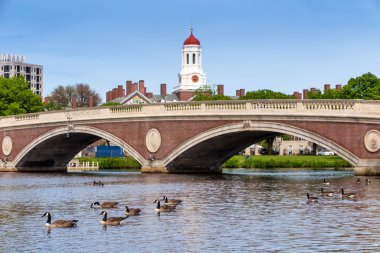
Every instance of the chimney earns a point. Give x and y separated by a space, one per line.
149 95
313 90
144 91
91 101
114 93
141 87
129 87
338 87
326 88
220 89
305 92
238 93
297 95
108 97
163 90
74 102
242 92
120 91
134 87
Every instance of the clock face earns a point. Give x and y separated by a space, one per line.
194 78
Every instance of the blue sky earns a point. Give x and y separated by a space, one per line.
268 44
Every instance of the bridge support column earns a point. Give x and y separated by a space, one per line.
155 166
368 167
7 166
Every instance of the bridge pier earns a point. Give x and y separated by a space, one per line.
370 167
157 166
153 166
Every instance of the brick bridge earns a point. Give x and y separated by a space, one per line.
193 136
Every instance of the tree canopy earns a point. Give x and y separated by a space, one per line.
63 95
207 93
17 98
266 94
366 86
329 94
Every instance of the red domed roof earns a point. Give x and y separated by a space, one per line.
191 40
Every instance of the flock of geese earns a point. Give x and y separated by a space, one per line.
169 205
344 194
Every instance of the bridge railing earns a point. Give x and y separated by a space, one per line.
291 107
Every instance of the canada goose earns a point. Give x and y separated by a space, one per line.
171 201
113 221
311 199
358 181
164 208
367 181
326 193
109 204
132 211
99 183
348 194
59 223
325 183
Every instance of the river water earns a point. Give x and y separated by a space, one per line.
239 211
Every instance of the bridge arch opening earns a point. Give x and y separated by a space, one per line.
53 150
210 149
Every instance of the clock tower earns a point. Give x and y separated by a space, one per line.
191 76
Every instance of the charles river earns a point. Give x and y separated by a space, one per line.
239 211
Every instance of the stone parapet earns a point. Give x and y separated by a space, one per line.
321 109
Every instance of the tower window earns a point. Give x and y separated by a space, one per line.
193 58
187 58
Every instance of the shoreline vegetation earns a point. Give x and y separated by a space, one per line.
294 161
238 161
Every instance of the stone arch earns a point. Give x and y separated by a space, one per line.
264 127
77 130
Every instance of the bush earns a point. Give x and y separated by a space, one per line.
233 162
114 163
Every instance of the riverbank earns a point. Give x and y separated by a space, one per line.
259 162
276 161
113 163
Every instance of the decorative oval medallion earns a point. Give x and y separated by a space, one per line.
372 140
7 145
153 140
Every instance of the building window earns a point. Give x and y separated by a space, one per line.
193 58
302 150
290 150
6 68
28 70
187 58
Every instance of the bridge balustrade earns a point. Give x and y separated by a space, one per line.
329 105
129 108
269 104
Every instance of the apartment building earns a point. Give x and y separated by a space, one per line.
14 65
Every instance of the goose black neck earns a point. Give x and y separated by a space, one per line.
158 204
127 209
48 218
105 217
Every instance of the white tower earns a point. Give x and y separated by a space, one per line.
191 76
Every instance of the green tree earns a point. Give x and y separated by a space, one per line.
207 93
266 94
110 104
366 86
53 106
17 98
